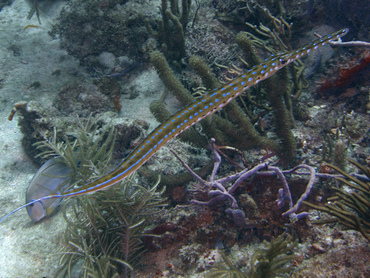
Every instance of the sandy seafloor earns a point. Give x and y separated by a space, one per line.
28 250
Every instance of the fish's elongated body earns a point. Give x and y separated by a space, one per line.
191 114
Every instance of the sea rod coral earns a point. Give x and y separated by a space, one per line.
217 192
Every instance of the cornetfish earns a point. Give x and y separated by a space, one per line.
189 115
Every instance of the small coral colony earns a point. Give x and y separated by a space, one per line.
239 193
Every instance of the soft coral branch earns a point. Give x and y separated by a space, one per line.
217 192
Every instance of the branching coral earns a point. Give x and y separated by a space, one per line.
89 155
34 9
351 208
104 232
335 151
172 28
278 90
266 262
273 95
237 128
217 192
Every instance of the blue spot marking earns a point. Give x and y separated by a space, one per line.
156 134
178 116
242 83
166 136
235 88
243 76
138 151
206 107
148 141
262 71
154 146
152 137
143 147
273 64
178 126
265 66
231 84
223 89
190 108
217 100
173 130
195 105
203 100
190 117
200 111
211 103
160 130
250 79
212 95
224 95
254 72
185 121
228 93
173 120
196 114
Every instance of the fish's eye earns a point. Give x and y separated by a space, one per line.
33 203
